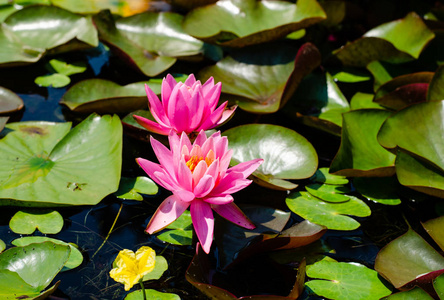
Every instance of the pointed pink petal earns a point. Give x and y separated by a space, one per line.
171 106
196 107
190 80
184 195
156 107
203 222
211 121
199 172
180 115
166 181
246 168
201 138
226 116
150 168
232 213
168 211
231 183
220 145
164 156
208 85
174 141
184 176
152 126
212 96
213 169
219 200
168 85
207 146
204 187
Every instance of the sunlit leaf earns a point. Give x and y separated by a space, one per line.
151 294
436 90
435 228
332 215
2 246
438 284
322 175
132 188
67 69
160 267
9 101
286 154
363 100
54 80
45 162
180 232
329 193
26 222
415 293
345 281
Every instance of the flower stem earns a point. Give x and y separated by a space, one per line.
143 288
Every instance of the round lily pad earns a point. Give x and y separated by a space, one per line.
332 215
26 222
132 188
9 102
160 267
55 80
329 193
286 154
75 256
345 281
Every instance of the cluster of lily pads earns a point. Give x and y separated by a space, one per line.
342 100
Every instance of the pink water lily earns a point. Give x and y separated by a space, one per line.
198 176
185 107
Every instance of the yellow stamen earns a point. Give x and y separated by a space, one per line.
196 159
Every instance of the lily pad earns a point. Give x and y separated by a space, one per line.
180 232
26 222
261 80
286 154
436 91
160 267
345 281
75 256
9 102
120 7
404 90
388 42
435 228
322 175
329 193
54 80
2 246
438 284
240 23
35 264
332 215
151 294
360 154
132 188
415 293
44 162
382 190
408 261
15 53
68 69
363 100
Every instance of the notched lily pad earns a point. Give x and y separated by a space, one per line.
160 267
26 222
132 188
54 80
388 42
262 80
44 162
329 193
322 175
242 23
360 154
9 102
286 154
180 232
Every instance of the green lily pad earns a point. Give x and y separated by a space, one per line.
408 261
345 281
132 188
332 215
322 175
9 102
388 42
160 33
415 129
329 193
415 293
3 121
240 23
2 246
360 154
151 294
363 100
44 162
16 53
286 154
62 67
55 80
382 190
261 80
36 264
349 75
119 7
438 284
47 27
436 90
75 256
160 267
435 228
404 90
26 222
180 232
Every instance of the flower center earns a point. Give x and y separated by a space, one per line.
196 159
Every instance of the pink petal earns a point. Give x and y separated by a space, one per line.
232 213
212 96
152 126
174 141
151 168
184 195
180 115
190 80
226 116
156 107
168 211
168 85
184 176
164 179
201 138
164 156
246 168
212 120
203 222
207 146
199 172
231 183
204 187
208 85
219 200
196 108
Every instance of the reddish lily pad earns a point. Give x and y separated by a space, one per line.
360 154
262 81
241 23
9 102
404 90
286 154
388 42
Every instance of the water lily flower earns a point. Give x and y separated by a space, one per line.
185 107
131 267
198 176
